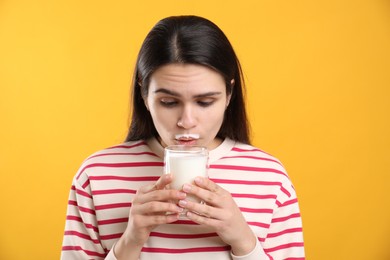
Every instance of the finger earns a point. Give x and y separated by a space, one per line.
163 181
205 195
156 208
149 221
201 209
203 220
207 184
158 185
164 219
160 195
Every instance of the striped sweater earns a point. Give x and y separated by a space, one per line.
103 188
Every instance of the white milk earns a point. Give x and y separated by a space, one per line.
185 168
185 165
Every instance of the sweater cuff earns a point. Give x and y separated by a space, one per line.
256 254
111 255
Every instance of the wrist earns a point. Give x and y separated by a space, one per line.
244 246
127 248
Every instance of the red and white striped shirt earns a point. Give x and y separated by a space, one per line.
103 188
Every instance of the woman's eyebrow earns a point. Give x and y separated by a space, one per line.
208 94
176 94
167 91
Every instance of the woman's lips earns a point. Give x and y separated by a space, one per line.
186 136
187 139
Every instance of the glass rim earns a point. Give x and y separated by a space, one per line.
185 148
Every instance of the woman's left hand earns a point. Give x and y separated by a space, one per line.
221 213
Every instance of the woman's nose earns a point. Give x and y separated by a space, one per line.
187 119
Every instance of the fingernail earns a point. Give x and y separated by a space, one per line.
186 188
182 203
198 180
181 195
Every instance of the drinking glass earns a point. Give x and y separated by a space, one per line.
185 162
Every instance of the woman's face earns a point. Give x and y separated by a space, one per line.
187 103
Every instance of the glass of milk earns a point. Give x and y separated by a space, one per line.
185 162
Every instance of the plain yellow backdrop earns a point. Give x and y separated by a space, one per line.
318 80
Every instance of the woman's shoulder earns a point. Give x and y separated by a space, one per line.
250 165
121 156
253 159
131 151
126 148
250 151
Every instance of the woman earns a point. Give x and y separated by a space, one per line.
187 89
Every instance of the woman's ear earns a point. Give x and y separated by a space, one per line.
144 98
145 102
228 100
232 82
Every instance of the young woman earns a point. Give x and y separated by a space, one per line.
187 89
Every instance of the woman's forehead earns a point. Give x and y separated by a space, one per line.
186 75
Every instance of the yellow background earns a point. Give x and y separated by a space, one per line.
318 80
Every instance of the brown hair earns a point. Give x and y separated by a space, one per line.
191 40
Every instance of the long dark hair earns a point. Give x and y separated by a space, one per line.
190 40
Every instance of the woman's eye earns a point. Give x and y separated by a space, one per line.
168 102
203 103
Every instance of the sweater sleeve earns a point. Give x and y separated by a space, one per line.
285 238
81 237
256 254
111 255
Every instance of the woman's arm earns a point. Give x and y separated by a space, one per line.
221 213
81 236
284 239
149 209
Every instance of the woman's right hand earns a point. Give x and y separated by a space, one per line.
149 209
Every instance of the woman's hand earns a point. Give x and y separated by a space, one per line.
221 213
149 209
